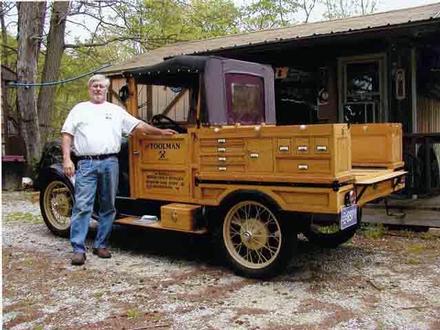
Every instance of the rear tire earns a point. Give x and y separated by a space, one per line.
252 238
330 236
56 202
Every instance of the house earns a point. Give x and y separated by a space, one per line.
383 67
13 148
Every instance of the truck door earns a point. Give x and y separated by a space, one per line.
160 167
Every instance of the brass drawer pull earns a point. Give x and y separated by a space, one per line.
303 167
302 148
222 159
254 155
221 149
321 148
221 141
222 168
284 148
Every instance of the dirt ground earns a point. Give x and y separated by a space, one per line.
159 280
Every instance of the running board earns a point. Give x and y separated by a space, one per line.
137 222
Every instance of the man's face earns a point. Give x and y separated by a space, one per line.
97 91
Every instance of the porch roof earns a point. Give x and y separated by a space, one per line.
348 26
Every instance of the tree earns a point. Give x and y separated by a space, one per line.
307 7
52 61
268 14
344 8
30 29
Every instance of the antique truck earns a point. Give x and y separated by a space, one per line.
235 174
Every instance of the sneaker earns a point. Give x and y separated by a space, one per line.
78 258
102 252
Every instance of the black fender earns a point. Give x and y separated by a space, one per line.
51 171
252 194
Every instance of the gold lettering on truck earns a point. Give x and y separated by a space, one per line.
162 148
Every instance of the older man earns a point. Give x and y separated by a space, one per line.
95 127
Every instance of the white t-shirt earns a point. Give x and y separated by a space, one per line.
97 128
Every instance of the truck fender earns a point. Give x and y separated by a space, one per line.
54 170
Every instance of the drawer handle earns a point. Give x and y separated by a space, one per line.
221 149
222 159
302 148
303 167
321 148
222 168
284 148
254 155
221 140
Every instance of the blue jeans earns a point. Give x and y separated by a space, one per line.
94 177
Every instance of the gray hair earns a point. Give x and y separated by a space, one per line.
99 77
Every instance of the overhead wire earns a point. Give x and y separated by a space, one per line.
57 82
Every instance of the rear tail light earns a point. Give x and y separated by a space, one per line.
350 198
402 179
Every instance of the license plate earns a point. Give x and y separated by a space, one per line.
348 217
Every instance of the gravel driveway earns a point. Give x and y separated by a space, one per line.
161 280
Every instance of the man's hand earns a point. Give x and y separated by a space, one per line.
68 167
168 131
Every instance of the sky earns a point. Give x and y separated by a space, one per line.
383 5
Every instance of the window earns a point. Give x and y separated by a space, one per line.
245 99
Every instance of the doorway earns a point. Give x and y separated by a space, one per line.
362 89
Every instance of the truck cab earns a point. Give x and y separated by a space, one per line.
234 174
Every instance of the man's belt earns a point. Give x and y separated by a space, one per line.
95 157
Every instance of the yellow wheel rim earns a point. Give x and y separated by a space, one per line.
58 201
252 234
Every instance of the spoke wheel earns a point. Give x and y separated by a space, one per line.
251 236
56 201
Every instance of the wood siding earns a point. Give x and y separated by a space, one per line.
428 115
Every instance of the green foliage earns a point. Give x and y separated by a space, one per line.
23 217
266 14
133 313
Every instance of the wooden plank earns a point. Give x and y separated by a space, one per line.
131 221
372 179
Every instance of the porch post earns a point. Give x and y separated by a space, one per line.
413 90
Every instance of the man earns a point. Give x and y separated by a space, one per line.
95 128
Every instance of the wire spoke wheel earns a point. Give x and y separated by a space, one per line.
57 202
252 235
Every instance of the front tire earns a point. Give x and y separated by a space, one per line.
56 202
253 239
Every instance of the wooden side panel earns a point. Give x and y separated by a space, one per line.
377 145
297 199
309 154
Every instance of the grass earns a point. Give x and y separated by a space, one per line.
373 231
23 217
133 313
416 248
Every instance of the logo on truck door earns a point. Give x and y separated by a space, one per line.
163 147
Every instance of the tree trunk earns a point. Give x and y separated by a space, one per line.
30 29
52 62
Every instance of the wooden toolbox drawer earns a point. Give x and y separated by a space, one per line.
304 166
226 168
179 216
219 159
